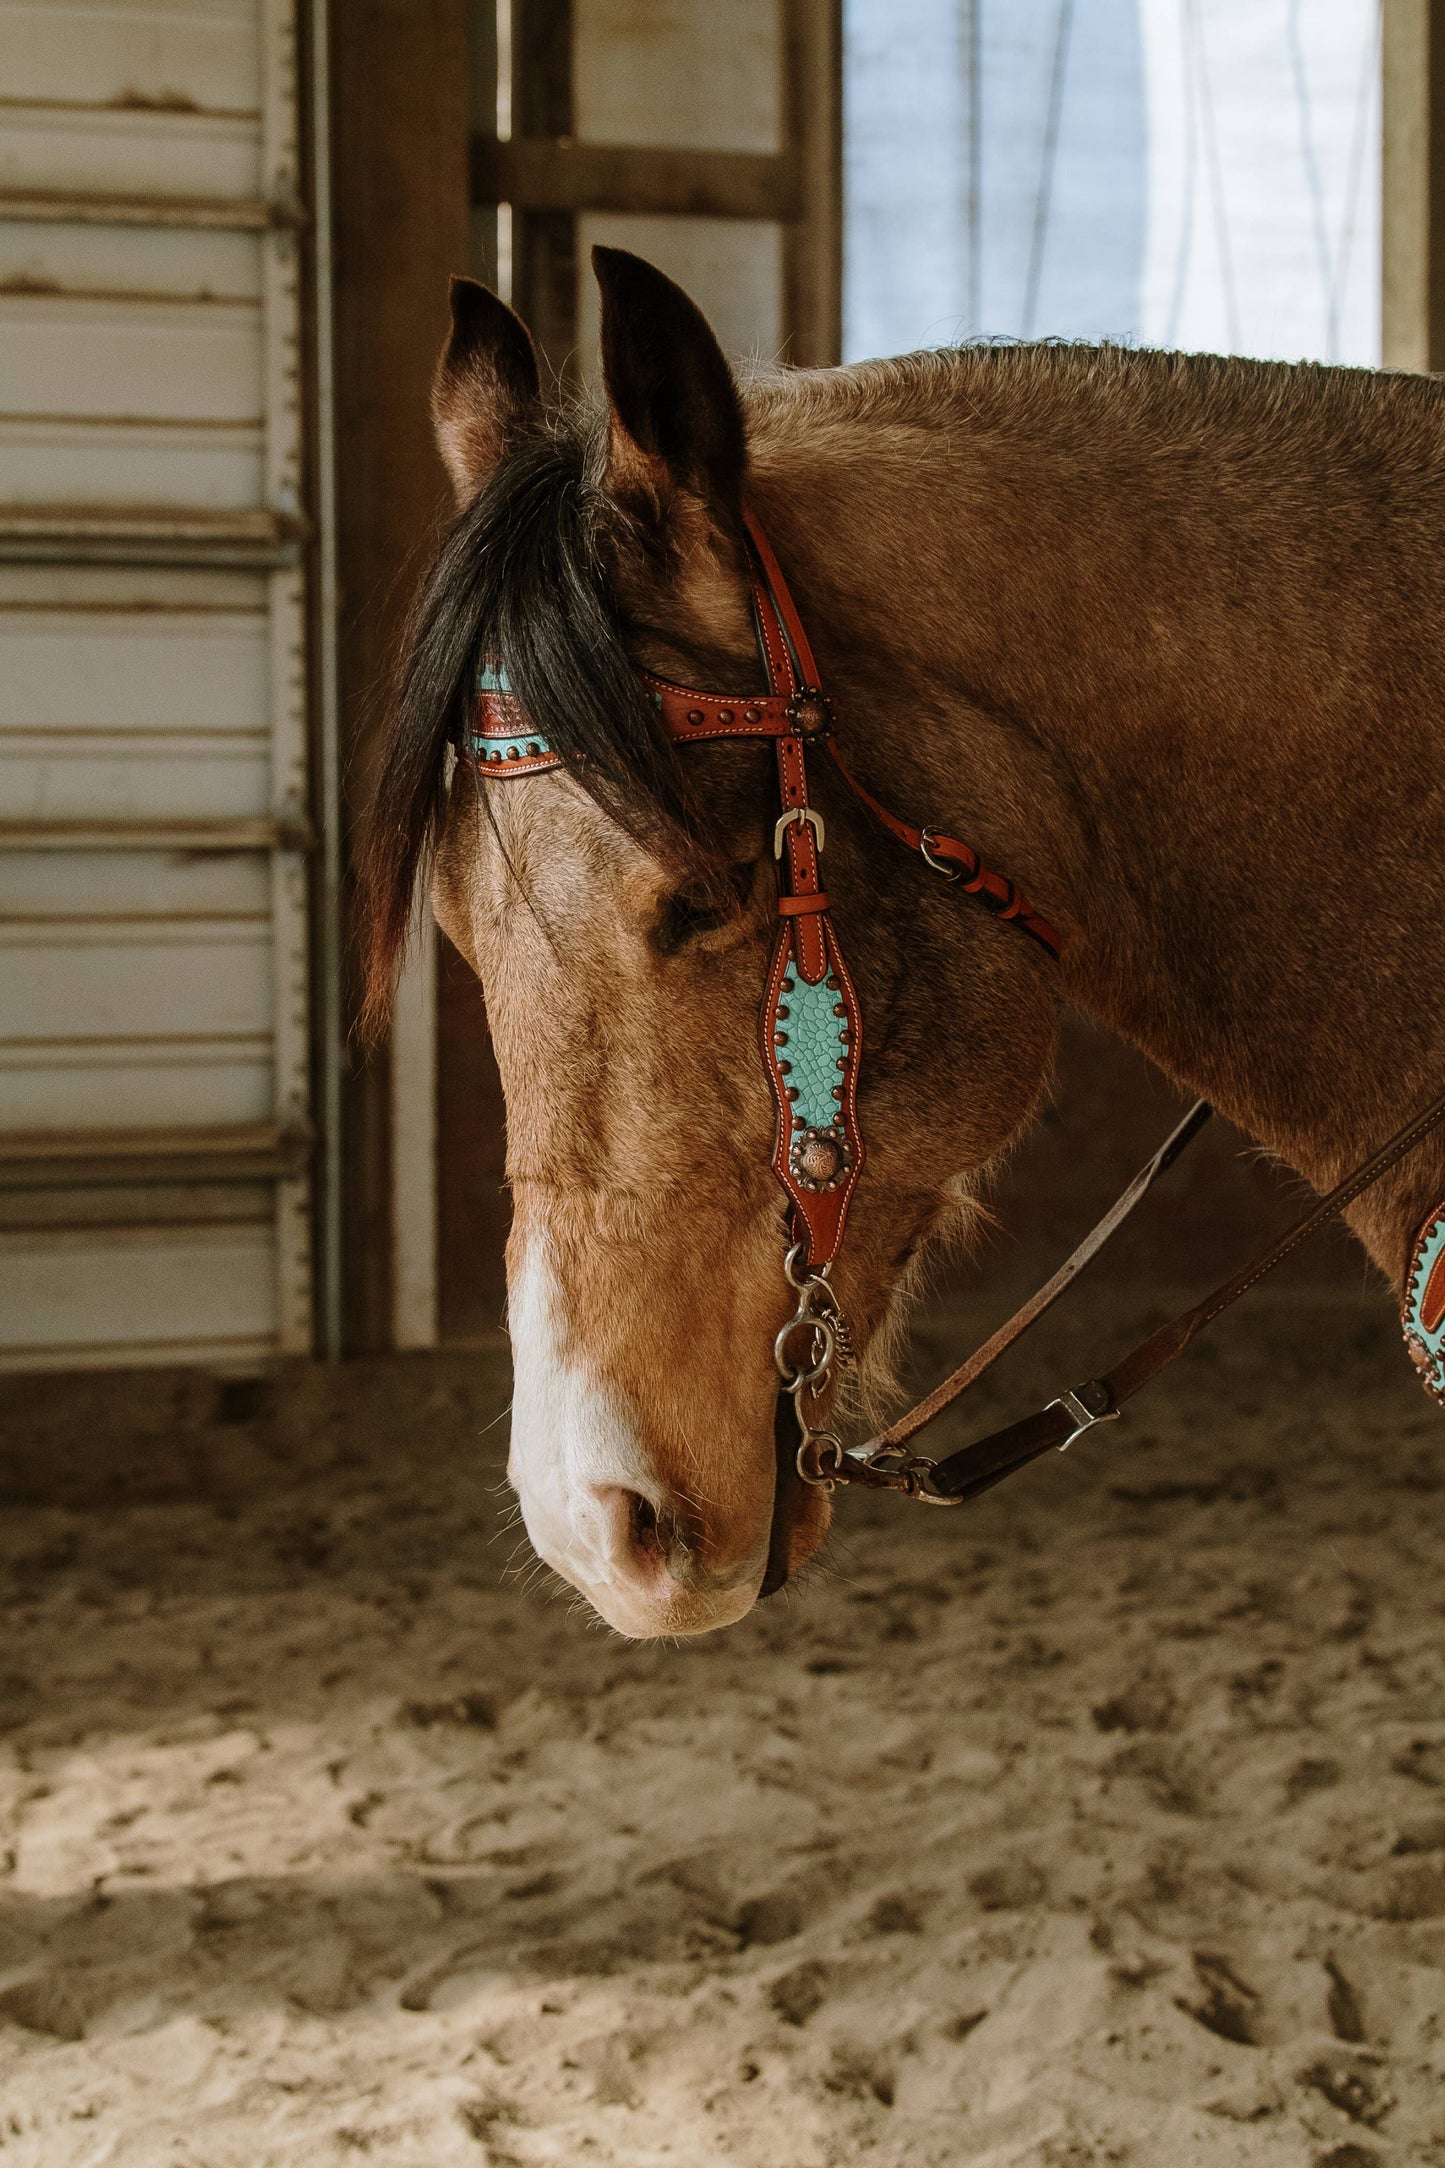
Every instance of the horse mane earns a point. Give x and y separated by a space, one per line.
1010 389
520 577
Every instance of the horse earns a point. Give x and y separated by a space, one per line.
1161 634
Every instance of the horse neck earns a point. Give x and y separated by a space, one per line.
1162 639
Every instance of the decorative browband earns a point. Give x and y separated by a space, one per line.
503 745
501 738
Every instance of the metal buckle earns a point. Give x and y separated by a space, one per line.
939 865
1082 1415
795 818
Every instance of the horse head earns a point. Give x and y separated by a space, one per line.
620 912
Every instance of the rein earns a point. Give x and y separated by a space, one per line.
811 1043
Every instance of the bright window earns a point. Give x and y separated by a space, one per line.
1193 173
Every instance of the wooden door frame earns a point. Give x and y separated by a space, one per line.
548 179
1412 300
397 112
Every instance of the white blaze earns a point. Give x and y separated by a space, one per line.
575 1451
571 1437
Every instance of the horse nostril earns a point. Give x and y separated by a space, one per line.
646 1534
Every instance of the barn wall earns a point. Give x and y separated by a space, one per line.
156 1122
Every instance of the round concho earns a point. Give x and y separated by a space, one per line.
811 714
819 1159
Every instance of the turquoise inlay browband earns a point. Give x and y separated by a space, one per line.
502 743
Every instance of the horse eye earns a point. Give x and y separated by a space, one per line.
700 910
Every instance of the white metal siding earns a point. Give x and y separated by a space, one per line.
154 1097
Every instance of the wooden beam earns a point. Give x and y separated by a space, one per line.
1412 323
561 175
400 126
544 236
813 239
130 834
69 207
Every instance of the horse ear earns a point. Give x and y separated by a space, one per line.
486 393
676 420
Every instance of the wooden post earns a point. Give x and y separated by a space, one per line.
399 125
544 289
1413 186
813 241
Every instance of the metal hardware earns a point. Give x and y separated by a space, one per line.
821 1459
891 1468
796 818
790 1269
1082 1415
820 1359
811 713
939 865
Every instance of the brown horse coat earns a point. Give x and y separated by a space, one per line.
1159 635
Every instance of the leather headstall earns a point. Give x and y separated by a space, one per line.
812 1046
811 1026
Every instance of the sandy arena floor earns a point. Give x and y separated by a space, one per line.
1104 1822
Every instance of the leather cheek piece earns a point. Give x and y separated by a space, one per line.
803 906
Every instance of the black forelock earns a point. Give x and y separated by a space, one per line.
521 579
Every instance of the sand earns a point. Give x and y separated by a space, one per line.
1102 1822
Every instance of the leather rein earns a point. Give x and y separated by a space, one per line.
811 1042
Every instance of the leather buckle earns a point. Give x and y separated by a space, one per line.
795 818
1081 1414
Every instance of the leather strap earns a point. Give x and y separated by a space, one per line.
977 1467
812 1043
794 713
956 861
983 1358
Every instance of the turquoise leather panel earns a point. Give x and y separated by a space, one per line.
1427 1348
816 1041
511 744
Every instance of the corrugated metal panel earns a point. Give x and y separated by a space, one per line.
153 785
